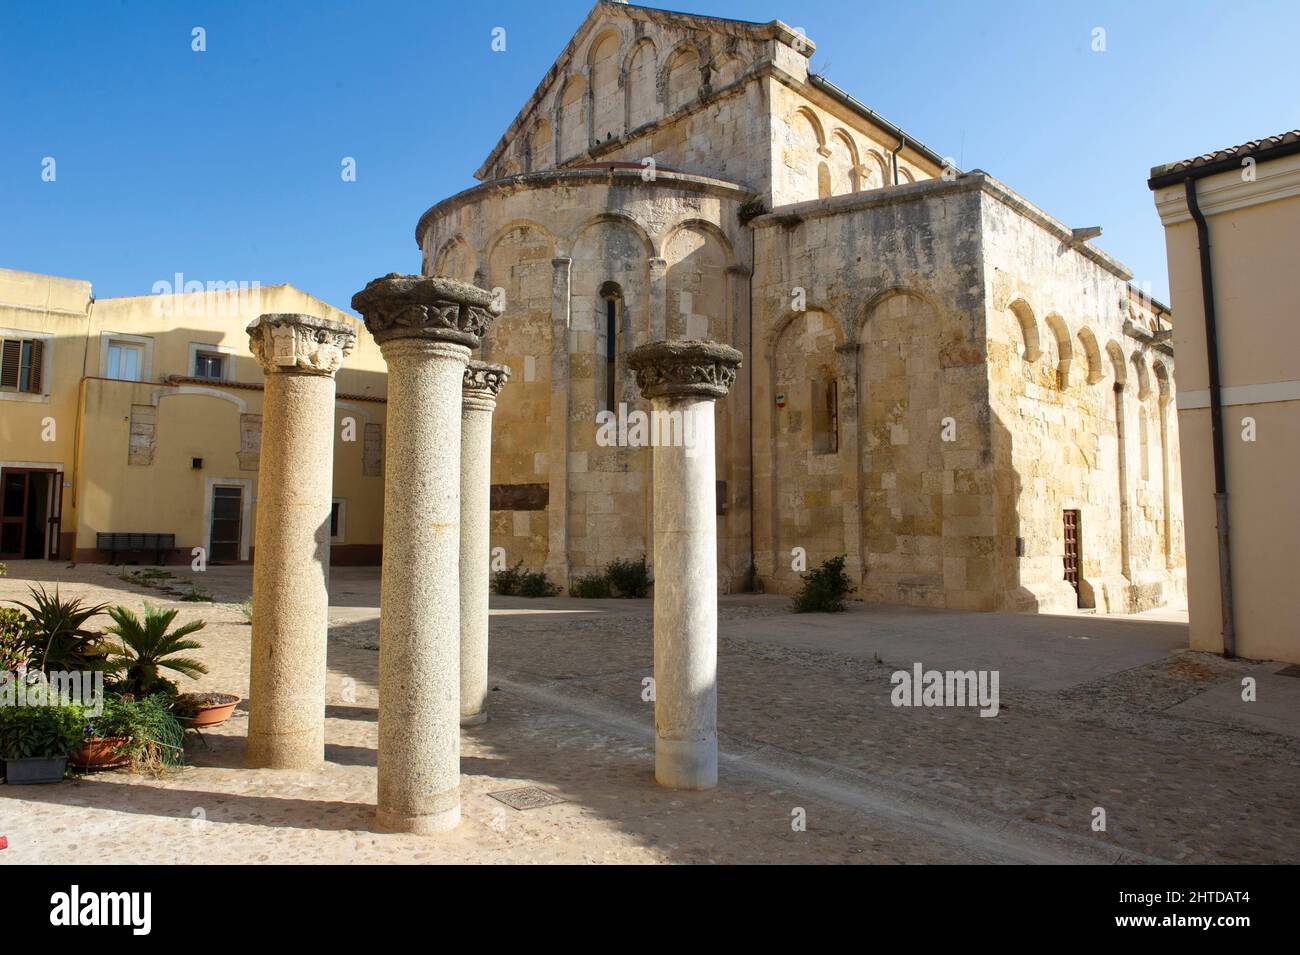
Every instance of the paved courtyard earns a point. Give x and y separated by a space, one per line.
1094 711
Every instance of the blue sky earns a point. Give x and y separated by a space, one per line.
225 165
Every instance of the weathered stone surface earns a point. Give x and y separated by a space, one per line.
684 369
412 306
482 383
286 720
300 343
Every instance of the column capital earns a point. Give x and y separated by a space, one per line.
289 343
484 380
418 306
685 369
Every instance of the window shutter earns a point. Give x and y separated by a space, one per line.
9 359
38 366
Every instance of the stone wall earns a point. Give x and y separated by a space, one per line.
889 281
1081 420
564 248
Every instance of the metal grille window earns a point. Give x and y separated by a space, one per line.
22 365
1071 522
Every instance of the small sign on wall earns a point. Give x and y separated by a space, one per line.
780 399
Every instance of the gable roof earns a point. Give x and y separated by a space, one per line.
772 30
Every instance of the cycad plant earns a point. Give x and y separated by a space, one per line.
58 634
148 647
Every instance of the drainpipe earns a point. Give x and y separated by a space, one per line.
902 141
1216 421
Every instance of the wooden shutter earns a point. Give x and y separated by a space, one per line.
38 366
9 359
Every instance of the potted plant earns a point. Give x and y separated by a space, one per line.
143 732
57 634
101 752
202 710
148 647
35 741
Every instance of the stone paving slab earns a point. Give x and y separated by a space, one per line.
802 727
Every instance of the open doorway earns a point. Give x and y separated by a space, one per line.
29 513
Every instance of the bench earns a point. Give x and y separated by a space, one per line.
116 544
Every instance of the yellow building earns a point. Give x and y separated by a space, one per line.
143 415
1232 231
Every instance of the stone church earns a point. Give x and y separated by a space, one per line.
941 382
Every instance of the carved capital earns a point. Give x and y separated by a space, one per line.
417 306
483 380
291 343
685 369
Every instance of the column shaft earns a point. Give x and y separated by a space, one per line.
286 725
419 642
483 382
686 602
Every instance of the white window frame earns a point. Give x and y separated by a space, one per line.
145 342
225 351
245 516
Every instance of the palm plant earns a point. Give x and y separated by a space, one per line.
58 633
148 647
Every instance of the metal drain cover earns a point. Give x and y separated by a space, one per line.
529 797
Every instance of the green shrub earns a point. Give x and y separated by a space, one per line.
246 609
506 582
628 578
16 639
4 571
824 589
149 646
534 583
39 731
59 638
589 587
196 594
157 739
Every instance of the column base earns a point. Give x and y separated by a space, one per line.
686 764
474 719
422 825
311 759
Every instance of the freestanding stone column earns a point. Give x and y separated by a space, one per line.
286 719
683 379
483 382
425 328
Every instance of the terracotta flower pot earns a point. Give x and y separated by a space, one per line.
205 709
102 752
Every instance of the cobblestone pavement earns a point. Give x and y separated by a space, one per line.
806 732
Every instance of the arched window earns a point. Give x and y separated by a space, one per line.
611 297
